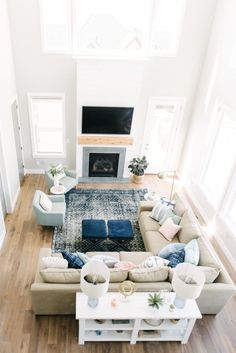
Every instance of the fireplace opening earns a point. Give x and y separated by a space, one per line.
103 164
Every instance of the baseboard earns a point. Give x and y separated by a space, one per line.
34 171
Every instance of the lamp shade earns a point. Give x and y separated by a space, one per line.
188 281
94 280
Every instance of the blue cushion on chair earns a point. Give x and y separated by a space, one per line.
176 258
73 260
94 229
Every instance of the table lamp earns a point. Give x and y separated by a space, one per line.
187 282
94 281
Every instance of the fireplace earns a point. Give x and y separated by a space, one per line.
103 164
100 163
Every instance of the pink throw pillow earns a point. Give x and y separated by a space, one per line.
125 265
169 229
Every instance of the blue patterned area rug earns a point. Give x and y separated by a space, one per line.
99 204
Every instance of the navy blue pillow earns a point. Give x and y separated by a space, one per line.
176 258
73 260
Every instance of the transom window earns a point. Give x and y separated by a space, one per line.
47 125
124 28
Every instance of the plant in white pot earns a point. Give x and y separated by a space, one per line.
56 171
137 167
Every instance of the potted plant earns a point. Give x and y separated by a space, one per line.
155 301
55 171
137 167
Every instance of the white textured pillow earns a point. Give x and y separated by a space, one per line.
158 211
153 261
169 229
45 202
54 262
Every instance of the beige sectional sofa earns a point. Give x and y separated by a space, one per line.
53 291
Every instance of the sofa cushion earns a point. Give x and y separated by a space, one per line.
135 256
159 210
154 241
210 273
154 274
125 265
189 228
114 254
108 260
180 206
170 214
146 223
206 257
63 275
192 252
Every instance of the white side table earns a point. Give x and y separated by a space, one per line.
134 312
58 190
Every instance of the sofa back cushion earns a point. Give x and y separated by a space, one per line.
154 274
189 228
62 275
180 206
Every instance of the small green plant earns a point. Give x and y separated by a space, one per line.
56 169
155 300
138 165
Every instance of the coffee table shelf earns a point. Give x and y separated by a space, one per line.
135 310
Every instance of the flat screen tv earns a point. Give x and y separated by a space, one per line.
107 120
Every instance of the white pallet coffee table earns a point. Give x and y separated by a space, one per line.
135 310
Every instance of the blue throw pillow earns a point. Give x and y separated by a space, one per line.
176 258
192 253
170 249
73 260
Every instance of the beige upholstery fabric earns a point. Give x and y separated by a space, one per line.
147 223
116 275
206 257
210 273
180 205
154 241
189 228
60 275
107 253
136 257
154 274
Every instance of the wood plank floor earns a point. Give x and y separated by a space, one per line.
22 332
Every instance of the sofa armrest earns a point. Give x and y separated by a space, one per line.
71 173
57 198
145 206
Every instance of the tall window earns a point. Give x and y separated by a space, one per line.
221 161
112 27
47 125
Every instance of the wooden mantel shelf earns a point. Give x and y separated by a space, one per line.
105 140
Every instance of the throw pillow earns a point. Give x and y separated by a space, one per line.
192 252
154 274
153 261
125 265
45 202
170 214
73 260
176 258
110 261
85 258
189 228
158 211
63 275
54 262
169 229
167 202
180 205
170 248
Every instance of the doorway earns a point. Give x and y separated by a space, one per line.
161 133
18 139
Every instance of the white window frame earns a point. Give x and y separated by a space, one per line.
218 114
31 97
46 50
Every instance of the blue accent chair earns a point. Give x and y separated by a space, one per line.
55 217
69 181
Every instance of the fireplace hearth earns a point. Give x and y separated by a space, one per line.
103 164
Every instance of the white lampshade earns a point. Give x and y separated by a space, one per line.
95 270
188 281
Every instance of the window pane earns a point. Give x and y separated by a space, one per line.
222 158
55 22
47 125
167 26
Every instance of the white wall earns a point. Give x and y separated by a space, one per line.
9 168
215 85
8 161
38 72
132 83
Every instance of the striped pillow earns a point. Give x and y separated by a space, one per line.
159 211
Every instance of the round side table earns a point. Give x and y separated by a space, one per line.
58 190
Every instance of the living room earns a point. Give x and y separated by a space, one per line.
137 60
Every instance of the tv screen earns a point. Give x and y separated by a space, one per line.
106 120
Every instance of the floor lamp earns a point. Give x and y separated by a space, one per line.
164 174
